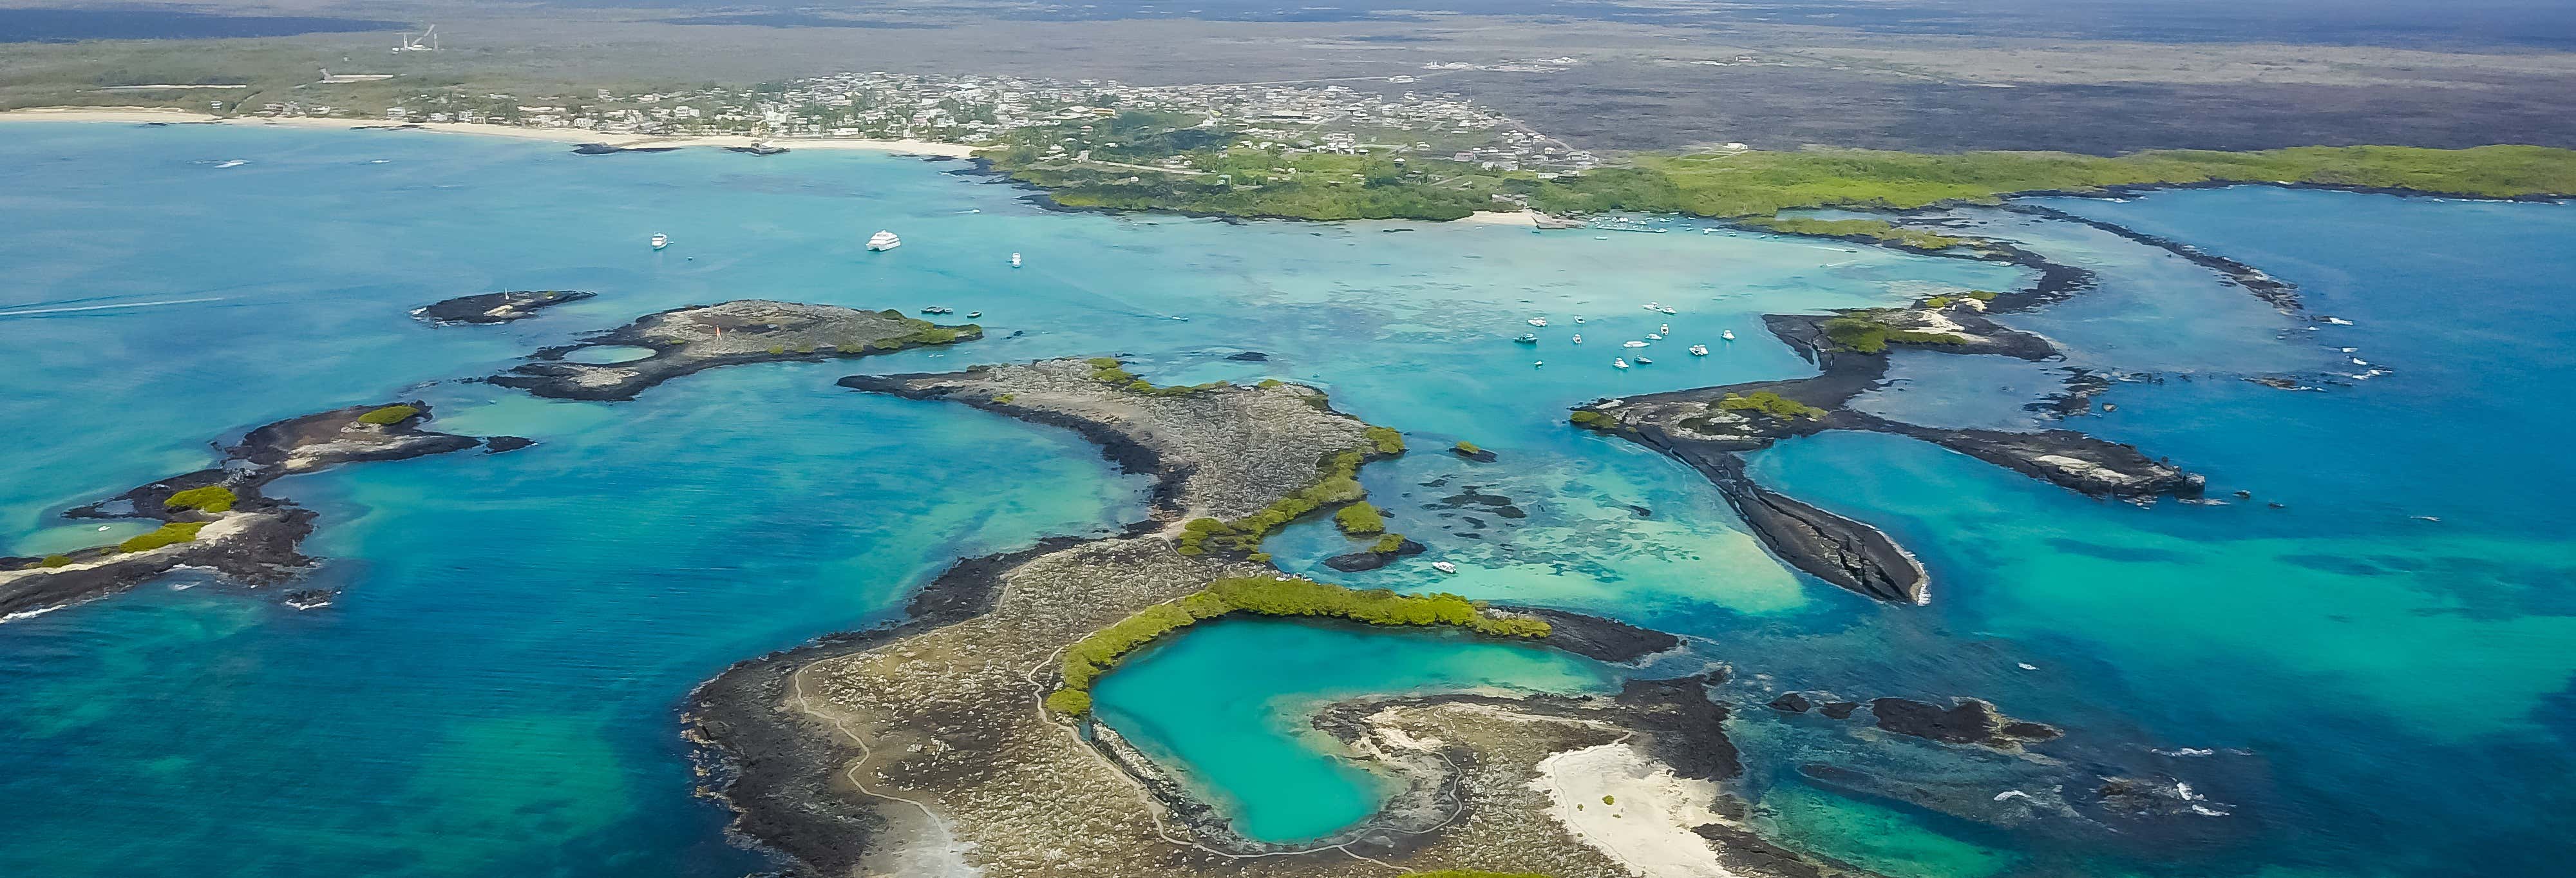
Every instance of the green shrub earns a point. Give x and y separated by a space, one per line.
775 350
1466 447
1360 519
1387 441
57 561
1258 557
1592 419
211 498
1770 403
1937 302
1070 702
170 533
1981 295
1859 334
1004 398
1388 545
1087 659
389 415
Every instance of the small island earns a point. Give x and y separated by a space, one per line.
489 308
217 518
684 341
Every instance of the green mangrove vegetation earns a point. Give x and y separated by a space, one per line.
1592 420
1360 519
1770 403
1467 448
169 534
1387 440
211 498
1388 544
1881 231
1087 659
1108 370
1862 331
389 415
1169 161
1755 184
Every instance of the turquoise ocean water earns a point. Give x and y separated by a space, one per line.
495 691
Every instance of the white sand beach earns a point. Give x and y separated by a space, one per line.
1645 822
555 135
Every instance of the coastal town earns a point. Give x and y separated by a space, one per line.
991 111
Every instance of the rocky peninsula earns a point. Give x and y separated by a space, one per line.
934 744
1709 428
685 341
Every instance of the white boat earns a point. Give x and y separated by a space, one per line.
1643 361
1538 362
1444 567
1618 363
1633 344
1538 321
1653 337
1578 338
1015 260
1729 335
1654 306
1699 350
883 241
1666 329
660 241
1668 309
1578 320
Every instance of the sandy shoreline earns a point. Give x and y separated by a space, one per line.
553 135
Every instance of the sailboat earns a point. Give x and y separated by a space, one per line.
883 241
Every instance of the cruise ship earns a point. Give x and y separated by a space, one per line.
883 240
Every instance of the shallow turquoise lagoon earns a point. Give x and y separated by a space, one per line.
1200 702
494 690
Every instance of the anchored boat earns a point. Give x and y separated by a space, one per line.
660 241
883 241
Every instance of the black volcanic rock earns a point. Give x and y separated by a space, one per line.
1791 702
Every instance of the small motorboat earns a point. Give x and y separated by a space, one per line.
883 241
1538 321
1527 338
1618 363
1536 363
1666 329
1668 309
1654 337
1654 306
1729 335
1645 361
1578 338
1444 567
1015 260
1578 320
939 309
1632 344
970 315
660 241
1699 350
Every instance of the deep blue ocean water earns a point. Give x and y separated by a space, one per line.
495 691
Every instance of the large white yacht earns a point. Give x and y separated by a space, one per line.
883 240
